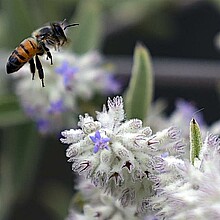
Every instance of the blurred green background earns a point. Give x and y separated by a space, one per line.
36 182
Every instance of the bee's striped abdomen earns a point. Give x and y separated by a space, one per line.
27 49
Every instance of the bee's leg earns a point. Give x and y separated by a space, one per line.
40 69
48 53
32 67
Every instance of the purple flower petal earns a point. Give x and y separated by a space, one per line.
67 72
105 140
99 141
63 68
93 139
43 125
96 149
97 135
56 107
112 85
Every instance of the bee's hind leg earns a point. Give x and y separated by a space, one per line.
40 70
32 67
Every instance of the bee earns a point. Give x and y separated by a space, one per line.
37 45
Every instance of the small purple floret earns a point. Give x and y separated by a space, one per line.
100 142
67 72
112 85
43 125
56 107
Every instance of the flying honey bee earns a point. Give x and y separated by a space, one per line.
52 36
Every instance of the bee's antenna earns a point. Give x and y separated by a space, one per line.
63 21
69 25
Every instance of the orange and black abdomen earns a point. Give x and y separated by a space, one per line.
27 49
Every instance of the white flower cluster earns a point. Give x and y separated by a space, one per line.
120 155
102 206
70 79
184 191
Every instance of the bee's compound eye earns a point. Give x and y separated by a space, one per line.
58 30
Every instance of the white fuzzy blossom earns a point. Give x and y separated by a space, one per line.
185 191
69 81
119 155
106 208
100 206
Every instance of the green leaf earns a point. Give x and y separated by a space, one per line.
21 149
140 90
195 140
17 22
86 36
56 197
10 112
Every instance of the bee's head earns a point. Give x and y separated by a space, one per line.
58 30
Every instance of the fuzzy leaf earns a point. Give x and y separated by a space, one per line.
140 91
88 33
195 140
